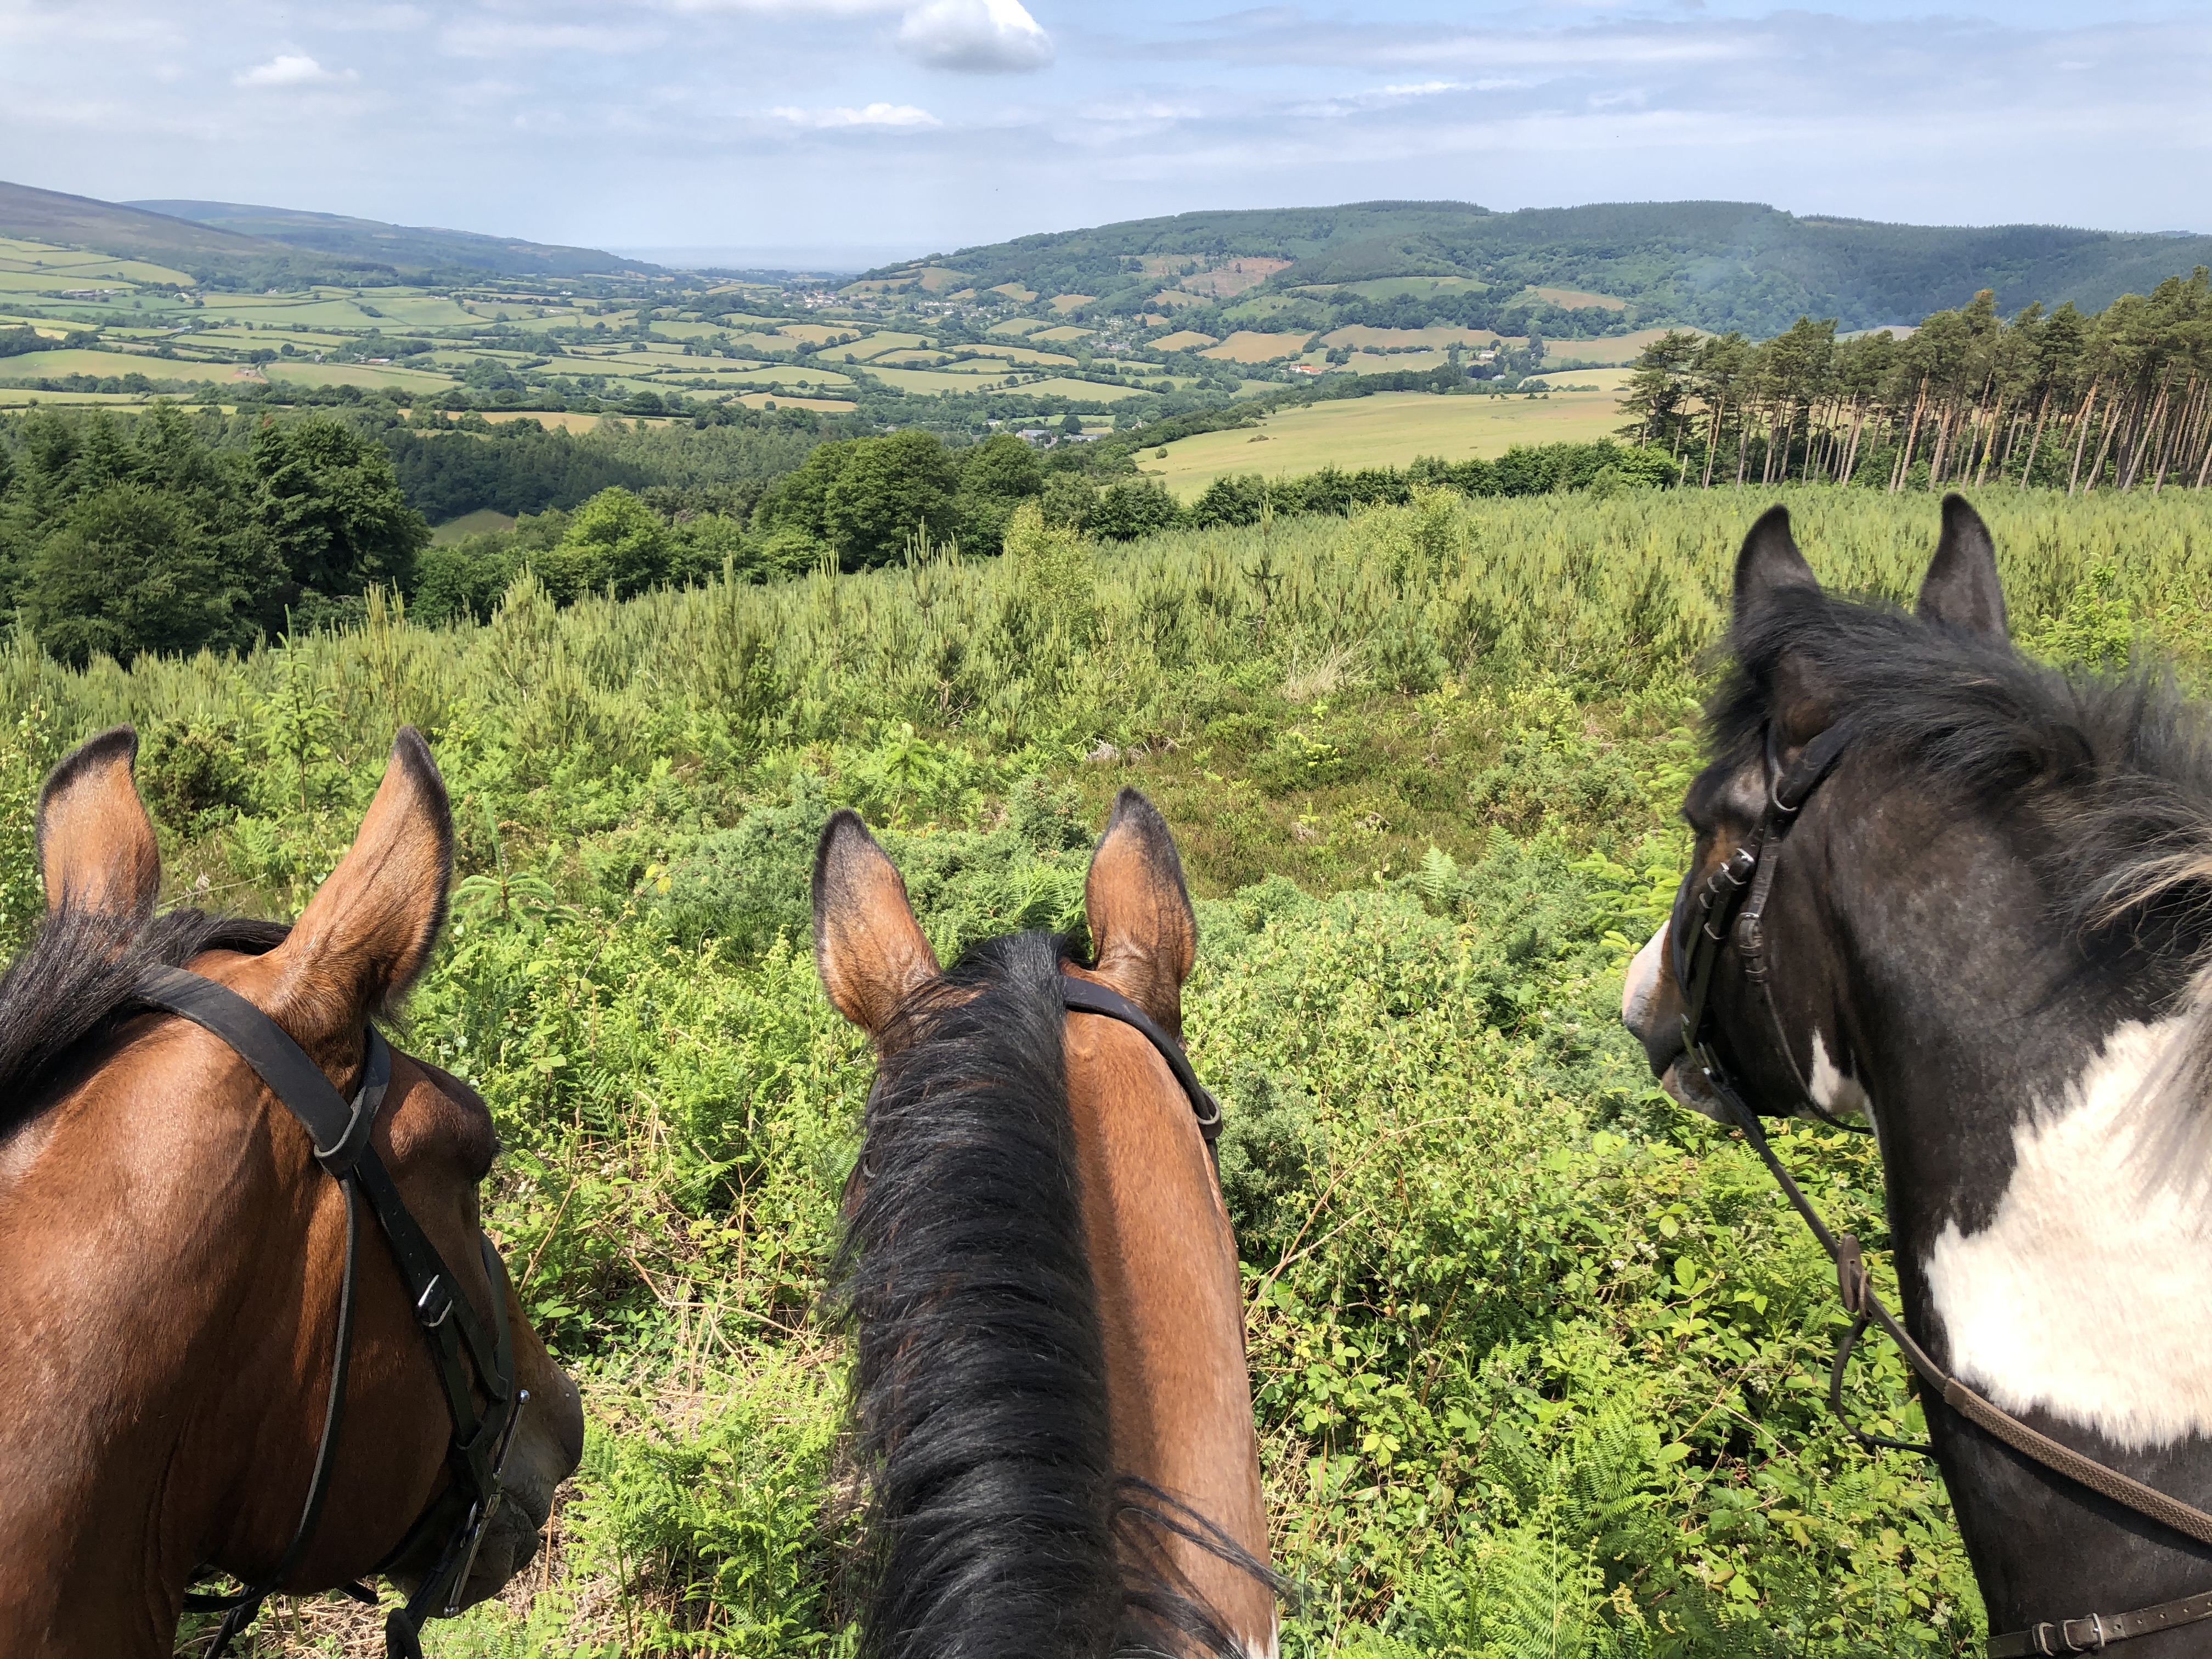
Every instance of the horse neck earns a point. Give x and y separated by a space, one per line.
1171 1315
128 1336
2044 1251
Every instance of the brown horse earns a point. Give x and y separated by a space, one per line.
1051 1394
170 1252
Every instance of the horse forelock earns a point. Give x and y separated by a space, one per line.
78 978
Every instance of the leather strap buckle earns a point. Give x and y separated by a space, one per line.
435 1304
2093 1638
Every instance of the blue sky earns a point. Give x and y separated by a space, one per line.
865 129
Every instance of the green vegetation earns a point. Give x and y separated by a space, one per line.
1967 399
1538 1357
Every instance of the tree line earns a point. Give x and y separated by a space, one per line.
2118 399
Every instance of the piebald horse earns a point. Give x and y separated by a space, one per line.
1976 908
171 1254
1051 1397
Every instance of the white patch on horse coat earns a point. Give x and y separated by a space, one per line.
1836 1092
1642 985
2086 1296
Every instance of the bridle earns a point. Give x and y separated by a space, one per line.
1085 996
1731 910
477 1456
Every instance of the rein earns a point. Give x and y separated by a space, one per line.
477 1452
1731 907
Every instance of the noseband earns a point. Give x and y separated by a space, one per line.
477 1454
1731 909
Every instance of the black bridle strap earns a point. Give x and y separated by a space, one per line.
457 1340
1084 996
1750 870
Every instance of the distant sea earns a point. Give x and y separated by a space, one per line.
809 261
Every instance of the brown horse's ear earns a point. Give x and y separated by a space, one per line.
1962 589
1139 911
96 848
368 930
868 948
1769 565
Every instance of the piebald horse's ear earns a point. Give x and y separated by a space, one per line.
868 948
1961 589
96 848
368 930
1139 911
1769 565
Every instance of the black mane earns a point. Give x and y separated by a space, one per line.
980 1389
77 979
2115 770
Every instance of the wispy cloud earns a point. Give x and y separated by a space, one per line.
978 37
868 115
290 69
491 37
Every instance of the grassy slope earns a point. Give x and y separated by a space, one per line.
1533 1353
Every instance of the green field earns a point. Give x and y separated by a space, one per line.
1537 1357
471 524
1390 429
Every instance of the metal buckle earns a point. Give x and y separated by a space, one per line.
435 1294
2096 1621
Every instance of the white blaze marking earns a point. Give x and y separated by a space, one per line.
1837 1093
1642 985
2086 1296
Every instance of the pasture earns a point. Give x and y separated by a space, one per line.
1535 1354
1390 429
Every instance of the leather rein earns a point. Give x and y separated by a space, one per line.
457 1341
1730 909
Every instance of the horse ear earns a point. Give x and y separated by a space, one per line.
868 948
96 846
1961 589
1769 565
368 930
1140 910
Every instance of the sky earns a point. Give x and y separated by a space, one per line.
854 132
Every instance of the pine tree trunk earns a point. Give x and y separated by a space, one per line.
2105 444
2034 442
2081 436
1904 468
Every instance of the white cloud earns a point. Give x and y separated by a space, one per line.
869 115
288 69
979 37
488 37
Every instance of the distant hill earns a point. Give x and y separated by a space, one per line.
49 216
1711 264
404 247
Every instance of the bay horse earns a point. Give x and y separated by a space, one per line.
1050 1394
1969 898
198 1372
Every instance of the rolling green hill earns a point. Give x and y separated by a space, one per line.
211 253
405 247
1716 265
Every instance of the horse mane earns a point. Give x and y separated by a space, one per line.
2112 771
979 1393
78 980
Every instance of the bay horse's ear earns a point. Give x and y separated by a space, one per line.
1140 910
1769 565
368 930
96 846
868 948
1961 589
